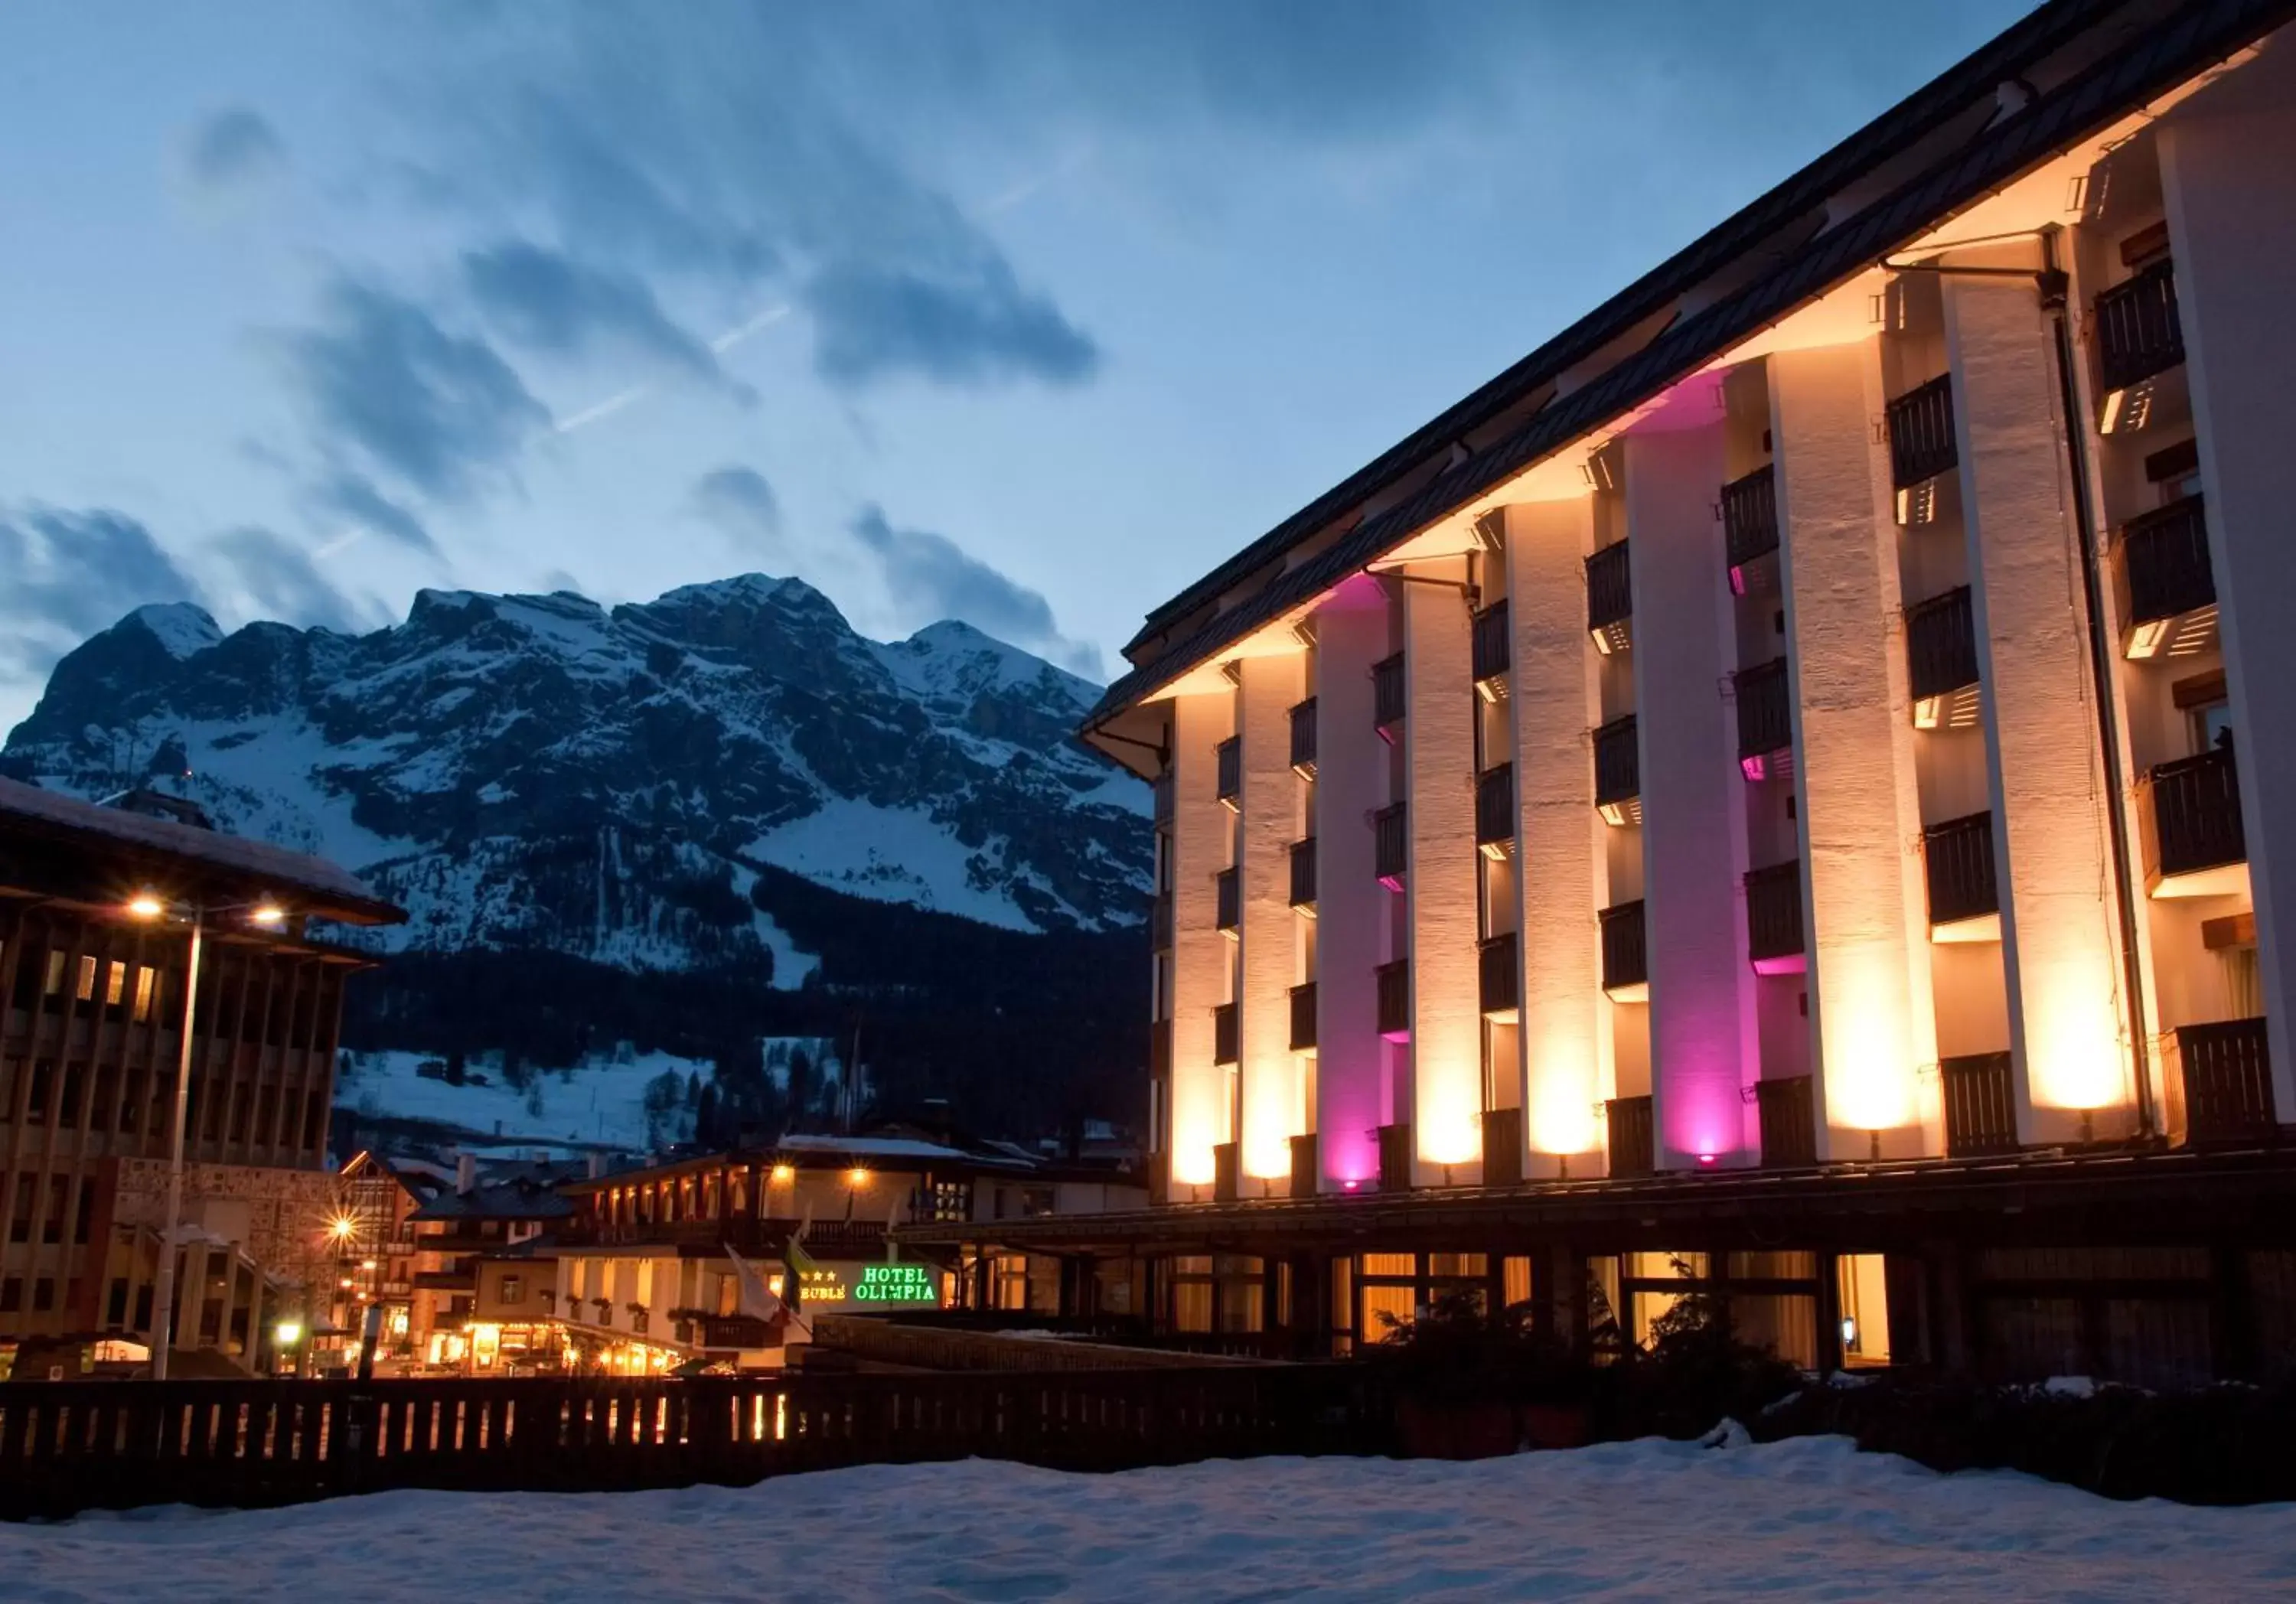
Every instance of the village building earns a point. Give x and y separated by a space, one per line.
98 905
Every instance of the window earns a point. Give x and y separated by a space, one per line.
43 1088
11 1295
54 983
12 1072
513 1289
107 1094
67 1114
115 1303
20 1217
43 1295
729 1296
85 1216
1864 1300
131 1106
146 977
52 1223
85 990
115 984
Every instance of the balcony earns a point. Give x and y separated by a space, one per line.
1227 1173
1391 846
1393 981
1922 443
1619 772
1626 957
1981 1105
1159 1048
1493 650
1228 901
1498 974
1633 1137
1395 1158
1304 1164
1303 876
1610 600
1159 791
1765 718
1495 810
1774 933
1387 698
1160 922
1941 661
1230 789
1224 1034
1501 1146
2218 1079
1303 739
723 1331
1958 863
2195 843
1750 521
2169 590
2138 334
1303 1018
1788 1119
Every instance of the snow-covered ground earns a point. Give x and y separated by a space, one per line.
1798 1520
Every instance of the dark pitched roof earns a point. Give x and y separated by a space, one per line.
524 1198
2130 50
320 887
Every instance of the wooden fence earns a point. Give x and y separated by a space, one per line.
69 1446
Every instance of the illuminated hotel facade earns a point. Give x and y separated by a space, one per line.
1793 782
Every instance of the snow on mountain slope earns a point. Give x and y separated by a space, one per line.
540 771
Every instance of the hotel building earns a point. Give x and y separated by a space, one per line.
1791 784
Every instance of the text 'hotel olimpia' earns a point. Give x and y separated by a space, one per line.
1791 785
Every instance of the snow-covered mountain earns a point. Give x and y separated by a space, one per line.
528 772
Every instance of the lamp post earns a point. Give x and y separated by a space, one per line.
149 907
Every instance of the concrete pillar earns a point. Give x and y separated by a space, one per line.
1446 1020
1555 697
2231 226
1864 908
1703 1042
1202 831
2051 851
1272 1107
1351 906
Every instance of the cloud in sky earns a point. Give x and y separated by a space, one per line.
974 329
931 577
353 495
443 412
65 575
547 300
275 578
231 148
743 505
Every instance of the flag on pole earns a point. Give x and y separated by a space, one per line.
799 1264
757 1297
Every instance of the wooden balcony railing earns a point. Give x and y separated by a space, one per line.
1393 983
1610 590
1765 709
1788 1119
1774 913
1750 516
1303 1018
1495 810
1633 1137
1231 770
1390 847
1225 1044
1386 698
1305 1164
1493 647
2138 333
1625 958
1303 874
1958 863
1395 1158
1227 900
2164 557
1501 1146
2195 813
1498 973
1920 433
1617 764
2219 1083
1981 1105
1941 644
1303 739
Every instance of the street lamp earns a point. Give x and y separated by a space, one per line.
150 905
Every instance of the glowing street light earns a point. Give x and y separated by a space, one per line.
784 1174
149 905
856 1176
